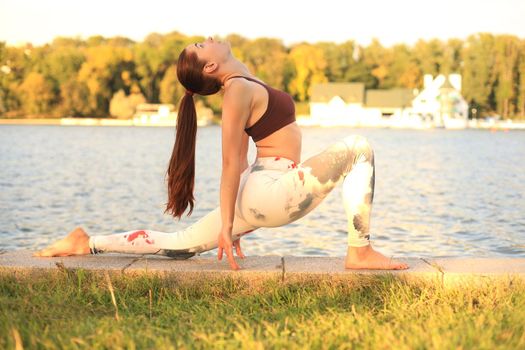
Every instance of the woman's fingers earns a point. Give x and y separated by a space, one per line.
226 246
231 260
237 245
219 254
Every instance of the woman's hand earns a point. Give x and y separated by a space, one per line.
226 246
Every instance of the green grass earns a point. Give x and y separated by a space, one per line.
74 310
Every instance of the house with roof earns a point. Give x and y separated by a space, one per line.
337 103
439 104
350 104
389 102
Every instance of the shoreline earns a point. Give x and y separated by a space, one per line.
80 122
301 121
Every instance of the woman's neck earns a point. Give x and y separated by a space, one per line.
236 68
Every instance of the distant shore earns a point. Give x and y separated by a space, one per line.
302 120
86 122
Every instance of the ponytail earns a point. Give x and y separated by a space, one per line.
181 169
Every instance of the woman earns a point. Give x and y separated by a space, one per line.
275 190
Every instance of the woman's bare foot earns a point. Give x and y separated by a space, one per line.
75 243
368 258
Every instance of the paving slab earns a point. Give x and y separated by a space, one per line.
473 270
297 268
22 260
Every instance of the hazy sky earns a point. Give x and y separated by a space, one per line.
391 21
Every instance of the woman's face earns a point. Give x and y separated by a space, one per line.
210 50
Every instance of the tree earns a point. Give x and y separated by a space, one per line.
404 71
506 67
154 56
122 106
37 94
377 61
266 58
14 65
61 63
339 59
74 97
309 65
358 70
429 56
107 69
520 107
478 70
451 56
171 90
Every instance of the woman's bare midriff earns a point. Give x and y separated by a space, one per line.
285 142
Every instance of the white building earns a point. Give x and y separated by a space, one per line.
165 114
439 104
348 104
337 103
155 114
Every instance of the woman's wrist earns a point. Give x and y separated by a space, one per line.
227 229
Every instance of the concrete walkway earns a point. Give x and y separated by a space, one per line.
287 268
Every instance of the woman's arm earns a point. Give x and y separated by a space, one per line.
235 112
243 159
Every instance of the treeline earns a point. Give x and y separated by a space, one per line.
102 76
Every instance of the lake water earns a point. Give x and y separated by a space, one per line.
438 193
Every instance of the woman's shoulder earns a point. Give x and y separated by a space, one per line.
240 87
237 86
238 94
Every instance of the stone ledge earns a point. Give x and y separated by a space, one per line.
23 260
300 268
478 270
289 268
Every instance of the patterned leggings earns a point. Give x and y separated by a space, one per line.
273 191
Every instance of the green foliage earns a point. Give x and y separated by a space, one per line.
74 310
36 94
310 65
478 70
170 89
80 77
506 64
267 59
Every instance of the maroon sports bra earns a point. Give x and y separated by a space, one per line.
280 112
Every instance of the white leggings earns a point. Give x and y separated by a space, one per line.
273 191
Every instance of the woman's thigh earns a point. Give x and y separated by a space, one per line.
272 197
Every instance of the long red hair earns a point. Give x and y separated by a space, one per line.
181 170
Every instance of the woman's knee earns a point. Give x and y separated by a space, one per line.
358 141
358 144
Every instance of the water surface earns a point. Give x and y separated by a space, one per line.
438 193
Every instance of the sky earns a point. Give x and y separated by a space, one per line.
390 21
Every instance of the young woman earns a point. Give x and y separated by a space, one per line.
275 190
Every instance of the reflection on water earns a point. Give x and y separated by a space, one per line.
438 193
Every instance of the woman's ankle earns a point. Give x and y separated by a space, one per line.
358 252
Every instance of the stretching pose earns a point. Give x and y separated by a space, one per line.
275 190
